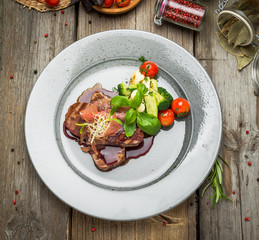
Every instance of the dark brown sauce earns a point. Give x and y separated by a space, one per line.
131 152
109 154
140 150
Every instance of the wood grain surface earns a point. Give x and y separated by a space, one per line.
38 214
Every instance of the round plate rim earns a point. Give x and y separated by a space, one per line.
40 168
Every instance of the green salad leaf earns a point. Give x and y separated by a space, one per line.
148 123
141 90
129 129
130 116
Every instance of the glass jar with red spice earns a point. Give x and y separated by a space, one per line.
185 13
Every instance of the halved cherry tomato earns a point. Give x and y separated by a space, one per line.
52 3
166 117
149 69
122 3
107 3
180 107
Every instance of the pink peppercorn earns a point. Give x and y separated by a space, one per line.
247 132
234 192
62 11
14 202
16 192
46 35
11 76
93 229
249 163
66 24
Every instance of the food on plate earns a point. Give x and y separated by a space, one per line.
122 3
107 3
52 3
149 69
166 117
115 126
180 107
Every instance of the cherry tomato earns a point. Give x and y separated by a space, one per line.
166 117
180 107
52 3
149 69
108 3
122 3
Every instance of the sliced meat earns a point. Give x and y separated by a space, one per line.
107 157
73 117
108 148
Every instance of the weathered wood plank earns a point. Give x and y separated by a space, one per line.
23 49
240 111
140 18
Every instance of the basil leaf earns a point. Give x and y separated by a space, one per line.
113 110
139 95
148 123
129 129
117 120
130 116
141 87
120 101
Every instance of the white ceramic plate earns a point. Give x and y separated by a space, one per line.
180 158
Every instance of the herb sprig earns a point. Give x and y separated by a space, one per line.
216 182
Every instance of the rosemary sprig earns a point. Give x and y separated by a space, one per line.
215 179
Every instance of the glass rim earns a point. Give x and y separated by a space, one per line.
242 17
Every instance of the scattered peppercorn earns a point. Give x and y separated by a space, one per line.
93 229
249 163
46 35
55 14
11 77
62 11
18 162
247 132
247 210
35 41
247 219
35 71
66 24
14 202
164 224
16 192
12 150
234 192
89 22
257 179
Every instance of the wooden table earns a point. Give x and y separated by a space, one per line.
38 214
